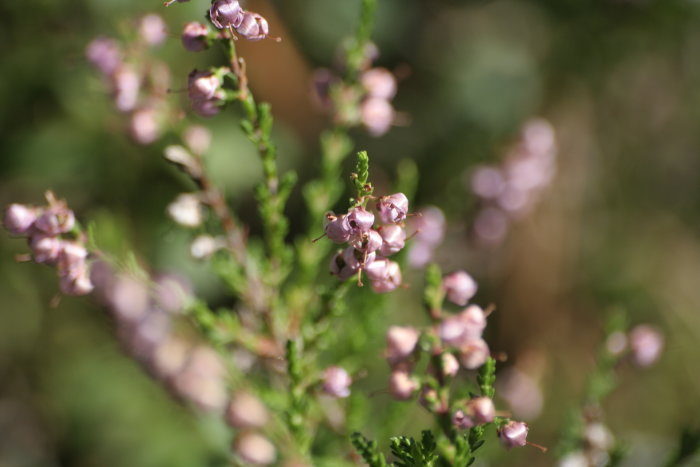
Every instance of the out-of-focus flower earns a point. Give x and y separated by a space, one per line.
379 83
152 29
19 218
255 449
402 386
377 115
186 210
646 343
459 287
105 54
400 342
144 125
197 138
126 84
195 37
336 382
474 353
246 411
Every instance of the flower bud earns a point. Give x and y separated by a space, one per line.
393 239
391 281
378 269
19 218
205 245
55 220
357 259
77 283
45 248
450 365
225 13
462 421
71 258
430 399
513 434
336 382
202 85
337 228
195 37
246 411
474 353
646 343
464 327
393 208
400 342
402 386
253 26
376 115
186 210
459 287
379 83
254 448
360 220
152 29
366 242
340 268
481 410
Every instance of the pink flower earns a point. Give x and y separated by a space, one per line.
513 434
336 382
459 287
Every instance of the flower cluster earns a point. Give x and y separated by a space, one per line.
644 343
54 240
508 192
370 247
453 341
366 102
138 83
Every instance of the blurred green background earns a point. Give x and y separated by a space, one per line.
620 227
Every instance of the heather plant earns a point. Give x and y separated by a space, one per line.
277 363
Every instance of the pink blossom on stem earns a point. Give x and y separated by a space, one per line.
19 218
402 386
379 83
513 434
393 208
377 115
474 353
400 342
194 37
393 239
